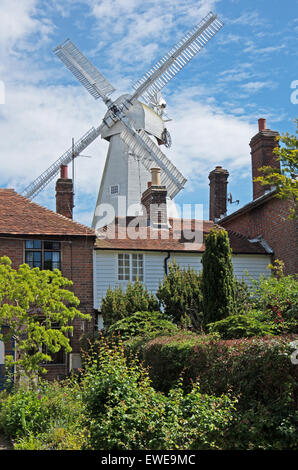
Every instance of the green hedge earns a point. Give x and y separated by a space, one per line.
259 369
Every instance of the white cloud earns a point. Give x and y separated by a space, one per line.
19 20
254 87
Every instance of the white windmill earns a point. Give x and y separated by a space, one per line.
128 122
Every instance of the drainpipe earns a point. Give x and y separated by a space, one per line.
166 262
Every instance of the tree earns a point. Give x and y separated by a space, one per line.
38 308
285 180
218 284
180 295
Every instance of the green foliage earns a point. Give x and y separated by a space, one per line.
285 180
180 295
259 369
124 412
38 307
118 304
277 298
48 418
169 358
218 285
242 326
143 324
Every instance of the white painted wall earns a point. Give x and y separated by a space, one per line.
105 265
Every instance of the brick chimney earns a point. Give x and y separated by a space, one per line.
64 194
262 145
154 200
218 193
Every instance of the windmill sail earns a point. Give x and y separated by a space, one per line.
150 155
97 85
48 175
172 62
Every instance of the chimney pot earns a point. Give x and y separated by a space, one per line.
262 124
155 176
63 172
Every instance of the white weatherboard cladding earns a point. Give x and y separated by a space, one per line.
105 267
255 265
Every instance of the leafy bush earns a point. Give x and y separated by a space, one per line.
277 297
124 412
180 295
55 438
22 412
242 326
118 304
48 418
143 324
258 371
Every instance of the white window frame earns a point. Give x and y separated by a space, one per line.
130 256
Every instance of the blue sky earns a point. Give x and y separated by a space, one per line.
244 73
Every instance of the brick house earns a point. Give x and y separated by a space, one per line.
265 218
42 238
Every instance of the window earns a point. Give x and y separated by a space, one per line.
115 189
130 267
57 358
43 254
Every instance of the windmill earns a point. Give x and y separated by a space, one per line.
129 122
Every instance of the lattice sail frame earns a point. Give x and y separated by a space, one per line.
97 85
179 56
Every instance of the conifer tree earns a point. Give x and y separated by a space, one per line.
180 295
218 285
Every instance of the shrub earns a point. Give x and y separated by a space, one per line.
146 325
39 418
180 295
242 326
259 369
124 412
218 284
277 298
118 304
24 412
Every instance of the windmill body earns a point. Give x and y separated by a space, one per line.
124 177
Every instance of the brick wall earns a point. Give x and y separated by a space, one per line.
270 220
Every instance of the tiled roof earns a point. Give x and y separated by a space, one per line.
177 238
21 216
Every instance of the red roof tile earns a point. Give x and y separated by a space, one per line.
21 216
183 235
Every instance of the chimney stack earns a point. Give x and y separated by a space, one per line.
154 200
218 193
262 145
64 194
